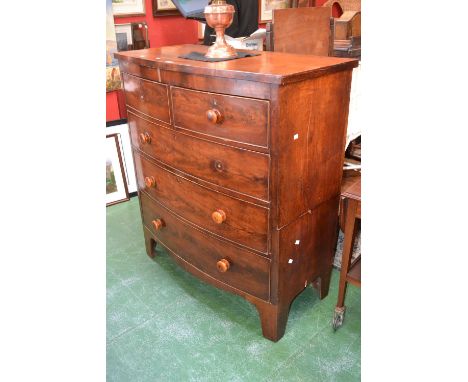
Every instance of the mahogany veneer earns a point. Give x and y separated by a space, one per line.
239 168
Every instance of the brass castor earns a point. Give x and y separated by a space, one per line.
338 317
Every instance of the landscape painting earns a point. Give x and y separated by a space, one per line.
128 7
116 183
266 7
113 80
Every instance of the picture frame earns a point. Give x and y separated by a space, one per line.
164 8
113 78
121 128
124 8
116 182
124 30
266 7
132 36
201 30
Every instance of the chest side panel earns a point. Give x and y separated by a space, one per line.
311 130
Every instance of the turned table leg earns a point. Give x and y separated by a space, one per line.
350 220
349 235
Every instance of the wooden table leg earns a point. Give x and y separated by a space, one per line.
350 221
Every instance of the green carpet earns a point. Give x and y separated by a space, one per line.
163 324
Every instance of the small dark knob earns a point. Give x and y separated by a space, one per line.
158 224
145 138
214 116
150 182
219 216
223 265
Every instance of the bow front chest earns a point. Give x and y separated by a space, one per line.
239 167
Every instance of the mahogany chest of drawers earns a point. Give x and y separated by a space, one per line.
239 167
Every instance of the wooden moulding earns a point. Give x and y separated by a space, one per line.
284 68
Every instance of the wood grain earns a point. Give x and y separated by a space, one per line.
148 97
241 119
268 67
246 223
310 166
222 165
302 30
247 271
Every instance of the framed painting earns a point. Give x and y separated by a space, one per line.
164 8
116 183
123 32
132 36
113 80
266 7
128 7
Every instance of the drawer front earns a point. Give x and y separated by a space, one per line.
232 118
148 97
236 220
247 271
241 170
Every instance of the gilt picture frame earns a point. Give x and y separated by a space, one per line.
164 8
124 8
266 7
116 182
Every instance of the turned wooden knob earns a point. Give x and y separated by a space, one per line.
219 216
150 181
214 116
158 224
223 265
145 138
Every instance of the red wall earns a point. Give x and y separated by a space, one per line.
336 9
164 30
112 106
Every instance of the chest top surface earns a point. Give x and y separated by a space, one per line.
268 67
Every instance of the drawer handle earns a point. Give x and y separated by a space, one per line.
150 182
214 116
223 265
158 224
219 216
145 138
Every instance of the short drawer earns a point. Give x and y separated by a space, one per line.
225 262
236 220
231 118
238 169
148 97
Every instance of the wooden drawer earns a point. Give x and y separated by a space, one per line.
223 165
245 223
148 97
247 271
231 118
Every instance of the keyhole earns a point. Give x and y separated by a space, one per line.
218 166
